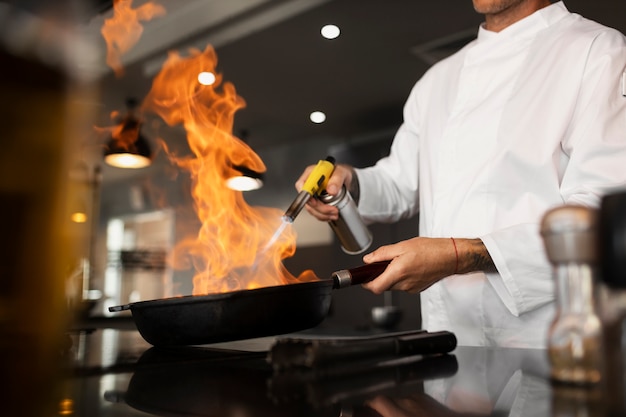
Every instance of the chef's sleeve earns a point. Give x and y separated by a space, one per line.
388 190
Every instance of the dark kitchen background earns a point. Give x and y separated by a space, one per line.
273 53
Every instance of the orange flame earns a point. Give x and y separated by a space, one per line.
122 31
229 252
124 134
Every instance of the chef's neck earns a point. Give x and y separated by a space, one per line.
500 14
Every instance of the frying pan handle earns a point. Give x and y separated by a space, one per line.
115 309
359 275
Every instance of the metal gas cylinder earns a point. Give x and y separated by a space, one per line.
349 228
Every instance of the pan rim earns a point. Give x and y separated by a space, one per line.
190 299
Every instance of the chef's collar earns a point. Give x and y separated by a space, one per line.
529 25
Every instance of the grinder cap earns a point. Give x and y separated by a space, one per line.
570 234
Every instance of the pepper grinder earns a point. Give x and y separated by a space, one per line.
575 346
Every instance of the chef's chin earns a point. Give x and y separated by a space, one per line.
494 6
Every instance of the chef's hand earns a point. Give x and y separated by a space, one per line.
342 175
418 263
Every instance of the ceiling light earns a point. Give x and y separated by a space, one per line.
330 31
206 78
245 180
127 160
128 148
317 117
135 156
243 183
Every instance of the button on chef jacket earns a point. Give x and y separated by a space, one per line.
515 123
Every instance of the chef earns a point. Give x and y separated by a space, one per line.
528 116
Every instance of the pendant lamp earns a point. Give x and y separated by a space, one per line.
245 180
127 147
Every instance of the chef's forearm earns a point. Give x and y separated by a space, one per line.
473 256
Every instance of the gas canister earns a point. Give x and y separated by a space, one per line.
349 228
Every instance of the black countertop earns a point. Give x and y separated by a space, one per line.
114 372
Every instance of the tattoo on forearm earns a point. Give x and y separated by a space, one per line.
480 260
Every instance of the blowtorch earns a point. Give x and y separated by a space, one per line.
313 186
349 227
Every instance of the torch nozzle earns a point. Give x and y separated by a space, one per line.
296 207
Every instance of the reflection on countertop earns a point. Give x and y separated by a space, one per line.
115 372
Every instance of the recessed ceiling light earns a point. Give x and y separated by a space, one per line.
330 31
206 78
317 117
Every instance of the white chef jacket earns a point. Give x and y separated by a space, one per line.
515 123
501 382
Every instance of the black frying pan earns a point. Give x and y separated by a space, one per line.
244 314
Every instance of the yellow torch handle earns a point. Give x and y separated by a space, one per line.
317 180
314 185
